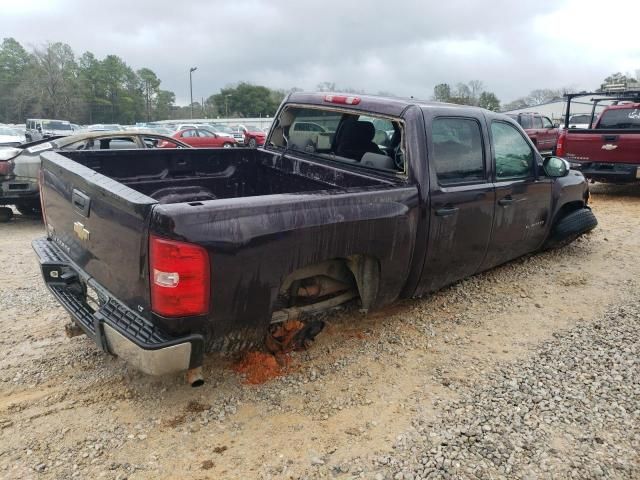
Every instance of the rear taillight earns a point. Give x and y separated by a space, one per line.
179 274
41 189
5 167
560 147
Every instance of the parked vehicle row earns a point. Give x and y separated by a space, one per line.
20 166
160 256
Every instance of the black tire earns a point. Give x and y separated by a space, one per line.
29 209
227 145
252 143
6 214
570 227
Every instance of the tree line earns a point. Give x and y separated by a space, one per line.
51 81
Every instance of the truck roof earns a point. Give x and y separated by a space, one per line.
392 106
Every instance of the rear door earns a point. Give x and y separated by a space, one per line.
208 139
462 200
550 134
523 201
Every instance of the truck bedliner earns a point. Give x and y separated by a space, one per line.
175 176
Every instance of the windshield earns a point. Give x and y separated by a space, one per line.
620 118
56 125
9 131
580 119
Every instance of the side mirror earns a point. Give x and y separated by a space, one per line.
39 128
556 125
556 167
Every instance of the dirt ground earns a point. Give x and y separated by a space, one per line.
70 411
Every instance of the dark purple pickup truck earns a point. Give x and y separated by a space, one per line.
163 255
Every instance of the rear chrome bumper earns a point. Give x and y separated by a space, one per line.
113 326
609 172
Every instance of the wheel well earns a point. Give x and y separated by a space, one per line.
567 208
327 284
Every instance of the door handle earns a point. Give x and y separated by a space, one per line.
81 202
446 211
610 138
506 201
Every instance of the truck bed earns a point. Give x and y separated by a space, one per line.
175 176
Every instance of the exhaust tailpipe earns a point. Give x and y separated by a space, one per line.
194 377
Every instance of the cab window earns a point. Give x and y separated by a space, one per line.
513 155
458 153
546 123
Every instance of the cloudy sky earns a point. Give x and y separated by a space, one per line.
402 47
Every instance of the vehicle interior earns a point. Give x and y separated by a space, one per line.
368 141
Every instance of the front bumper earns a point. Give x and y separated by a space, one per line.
609 172
110 324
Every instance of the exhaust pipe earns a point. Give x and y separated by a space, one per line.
194 377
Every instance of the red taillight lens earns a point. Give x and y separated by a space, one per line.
560 147
179 275
5 167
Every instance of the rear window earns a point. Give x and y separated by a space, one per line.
348 137
620 118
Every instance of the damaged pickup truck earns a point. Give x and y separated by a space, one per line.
161 256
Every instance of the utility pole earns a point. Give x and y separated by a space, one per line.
191 70
148 102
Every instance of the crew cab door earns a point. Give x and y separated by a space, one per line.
523 201
462 200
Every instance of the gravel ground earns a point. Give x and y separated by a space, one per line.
527 371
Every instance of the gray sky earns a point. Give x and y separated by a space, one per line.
402 47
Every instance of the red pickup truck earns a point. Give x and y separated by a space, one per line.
610 151
540 129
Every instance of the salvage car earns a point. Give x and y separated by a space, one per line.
608 152
10 137
161 256
20 166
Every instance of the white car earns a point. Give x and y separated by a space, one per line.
10 137
581 120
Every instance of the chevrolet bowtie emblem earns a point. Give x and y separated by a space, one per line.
608 146
80 231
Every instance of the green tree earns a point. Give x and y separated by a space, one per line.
489 101
56 76
442 92
246 100
15 61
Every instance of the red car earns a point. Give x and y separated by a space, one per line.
253 136
201 138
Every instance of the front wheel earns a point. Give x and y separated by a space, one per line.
570 227
227 145
6 214
29 209
253 143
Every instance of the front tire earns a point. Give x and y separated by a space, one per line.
570 227
252 143
227 145
6 214
29 209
